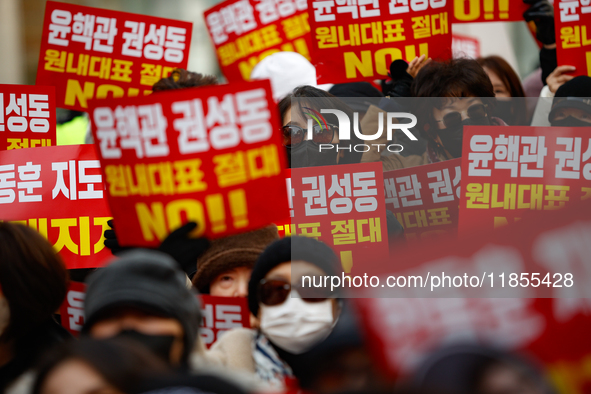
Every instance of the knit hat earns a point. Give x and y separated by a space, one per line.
575 93
286 250
146 280
240 250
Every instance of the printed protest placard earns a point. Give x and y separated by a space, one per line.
27 116
425 199
58 191
96 53
467 11
246 31
464 46
210 155
221 314
573 34
357 41
72 309
508 171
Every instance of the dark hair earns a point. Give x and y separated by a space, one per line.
503 70
323 100
120 362
180 79
33 278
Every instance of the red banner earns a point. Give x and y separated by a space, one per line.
27 116
467 11
203 155
354 41
244 32
425 199
58 191
221 314
72 310
96 53
404 330
508 171
464 46
341 205
573 34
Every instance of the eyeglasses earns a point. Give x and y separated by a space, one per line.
274 292
454 119
295 135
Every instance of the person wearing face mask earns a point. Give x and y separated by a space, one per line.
571 106
292 319
33 284
143 296
303 152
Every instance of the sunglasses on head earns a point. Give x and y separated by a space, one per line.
274 292
454 119
295 135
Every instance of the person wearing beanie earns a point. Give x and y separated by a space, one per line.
293 315
224 269
143 296
357 95
571 106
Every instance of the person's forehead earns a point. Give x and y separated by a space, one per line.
460 102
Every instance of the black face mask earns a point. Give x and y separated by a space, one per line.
451 138
570 122
308 154
504 110
160 345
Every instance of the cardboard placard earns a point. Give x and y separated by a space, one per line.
425 199
354 42
342 206
91 53
573 35
244 32
468 11
58 191
27 116
205 155
509 171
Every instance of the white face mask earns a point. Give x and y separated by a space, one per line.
4 314
295 325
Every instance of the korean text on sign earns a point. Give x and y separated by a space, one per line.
355 40
95 53
203 155
509 170
58 191
468 11
425 199
246 31
220 314
342 206
27 116
573 34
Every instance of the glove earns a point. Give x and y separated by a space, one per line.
542 14
395 229
183 249
111 241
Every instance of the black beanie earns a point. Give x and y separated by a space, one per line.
148 280
286 250
575 93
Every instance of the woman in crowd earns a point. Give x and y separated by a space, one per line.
33 284
292 319
91 366
506 85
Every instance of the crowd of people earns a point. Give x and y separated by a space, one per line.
141 331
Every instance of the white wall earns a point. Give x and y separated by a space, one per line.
12 67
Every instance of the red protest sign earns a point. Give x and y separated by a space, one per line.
467 11
425 199
202 154
244 32
352 42
58 191
27 116
221 314
72 309
402 331
341 205
464 46
573 34
96 53
508 171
